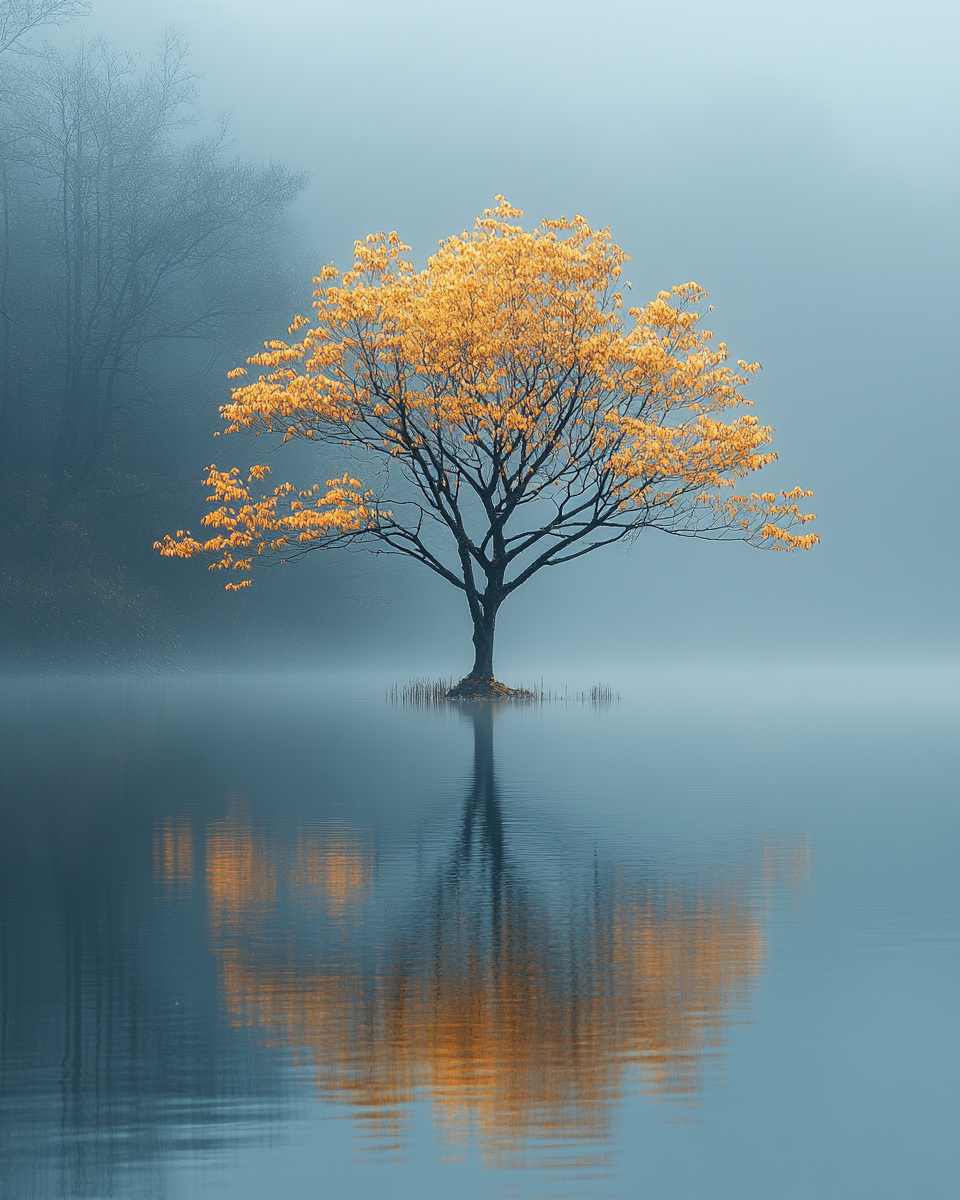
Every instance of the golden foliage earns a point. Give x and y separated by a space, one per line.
342 508
508 368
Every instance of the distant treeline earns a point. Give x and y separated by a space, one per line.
139 260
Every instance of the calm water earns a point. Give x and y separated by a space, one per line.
273 937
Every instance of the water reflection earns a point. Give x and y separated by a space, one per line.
197 891
522 1001
173 858
112 1051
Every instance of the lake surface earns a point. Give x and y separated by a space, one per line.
276 937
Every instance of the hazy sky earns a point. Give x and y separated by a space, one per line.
798 160
406 88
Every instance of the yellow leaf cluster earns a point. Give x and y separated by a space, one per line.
278 522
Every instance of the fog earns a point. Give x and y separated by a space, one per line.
799 162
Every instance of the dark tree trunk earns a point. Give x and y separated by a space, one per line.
484 628
480 684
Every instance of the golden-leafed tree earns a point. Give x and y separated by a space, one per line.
510 416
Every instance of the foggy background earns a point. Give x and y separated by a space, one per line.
799 162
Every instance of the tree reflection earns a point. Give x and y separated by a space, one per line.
520 999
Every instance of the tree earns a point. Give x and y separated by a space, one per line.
18 18
130 225
138 257
513 418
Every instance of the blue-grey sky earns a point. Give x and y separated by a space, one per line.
799 161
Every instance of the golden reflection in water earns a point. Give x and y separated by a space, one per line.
522 1019
241 875
332 871
173 857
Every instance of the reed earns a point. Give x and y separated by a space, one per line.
428 693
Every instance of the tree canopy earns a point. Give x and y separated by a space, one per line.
509 415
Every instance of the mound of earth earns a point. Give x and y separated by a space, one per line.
470 688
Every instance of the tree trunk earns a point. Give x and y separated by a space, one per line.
480 684
484 628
